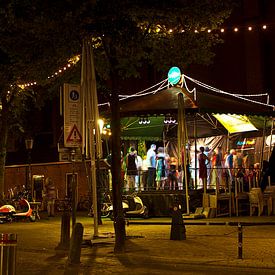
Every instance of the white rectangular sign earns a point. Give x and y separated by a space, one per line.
72 115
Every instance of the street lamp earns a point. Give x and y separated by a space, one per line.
29 145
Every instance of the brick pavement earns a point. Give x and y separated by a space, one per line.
148 247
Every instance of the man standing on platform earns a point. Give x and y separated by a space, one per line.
151 161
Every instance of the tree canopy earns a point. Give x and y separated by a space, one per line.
39 36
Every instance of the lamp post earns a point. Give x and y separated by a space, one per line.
73 198
29 145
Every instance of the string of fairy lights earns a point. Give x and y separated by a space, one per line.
165 83
235 29
71 62
157 29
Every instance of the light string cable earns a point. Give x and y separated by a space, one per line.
144 92
256 95
140 93
186 87
223 92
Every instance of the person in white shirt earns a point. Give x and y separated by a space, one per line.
138 180
151 162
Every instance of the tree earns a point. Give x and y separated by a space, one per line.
130 34
34 43
126 35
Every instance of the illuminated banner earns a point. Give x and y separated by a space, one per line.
72 116
246 143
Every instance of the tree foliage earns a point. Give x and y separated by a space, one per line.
39 36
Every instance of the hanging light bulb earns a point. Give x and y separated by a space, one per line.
147 120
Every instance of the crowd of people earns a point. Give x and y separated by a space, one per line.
213 169
155 171
221 170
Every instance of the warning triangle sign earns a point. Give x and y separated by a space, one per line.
74 135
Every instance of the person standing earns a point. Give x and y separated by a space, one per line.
138 179
202 158
50 195
132 171
151 161
160 169
218 167
229 165
144 174
209 155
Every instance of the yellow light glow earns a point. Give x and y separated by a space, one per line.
250 28
170 30
208 31
196 31
236 29
264 27
222 30
235 123
101 125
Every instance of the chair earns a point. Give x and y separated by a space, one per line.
256 201
241 197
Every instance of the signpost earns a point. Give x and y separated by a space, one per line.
72 131
72 116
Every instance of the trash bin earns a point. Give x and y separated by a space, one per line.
8 246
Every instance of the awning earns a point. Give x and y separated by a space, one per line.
235 123
133 129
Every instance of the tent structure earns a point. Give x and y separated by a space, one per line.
199 110
203 101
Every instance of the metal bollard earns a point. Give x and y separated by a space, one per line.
65 232
75 244
8 247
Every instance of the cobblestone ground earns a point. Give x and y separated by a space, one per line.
149 250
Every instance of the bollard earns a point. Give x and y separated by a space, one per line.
177 227
75 244
240 241
65 232
8 247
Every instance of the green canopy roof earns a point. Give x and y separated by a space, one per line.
132 129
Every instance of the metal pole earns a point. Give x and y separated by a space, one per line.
263 144
196 155
29 187
93 177
240 241
182 142
73 188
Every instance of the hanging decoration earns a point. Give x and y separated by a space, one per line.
71 62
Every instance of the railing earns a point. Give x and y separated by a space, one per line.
217 178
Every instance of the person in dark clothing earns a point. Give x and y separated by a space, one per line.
131 169
264 175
